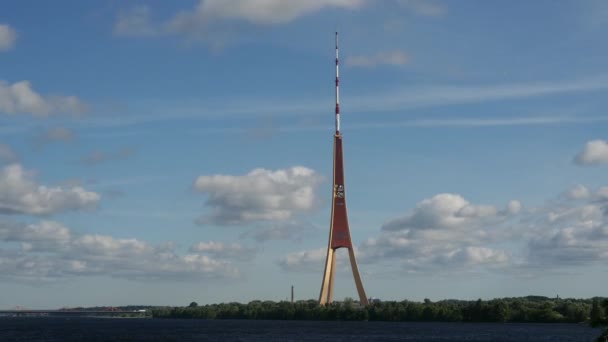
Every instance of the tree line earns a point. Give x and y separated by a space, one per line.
521 309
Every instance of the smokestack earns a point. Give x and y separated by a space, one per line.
292 293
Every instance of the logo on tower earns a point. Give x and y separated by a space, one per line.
339 190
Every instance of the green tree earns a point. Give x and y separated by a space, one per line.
603 337
193 305
500 311
348 302
595 317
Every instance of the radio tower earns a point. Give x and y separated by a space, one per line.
339 232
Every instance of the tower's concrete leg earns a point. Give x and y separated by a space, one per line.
327 278
358 283
332 276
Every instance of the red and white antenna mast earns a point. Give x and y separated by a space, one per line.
339 230
337 91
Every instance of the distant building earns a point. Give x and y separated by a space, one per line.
373 300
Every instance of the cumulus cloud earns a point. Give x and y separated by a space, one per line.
513 207
444 211
579 244
472 255
260 195
255 11
575 234
135 22
595 152
392 58
303 261
216 20
50 251
20 98
601 193
20 194
42 236
429 252
445 232
99 157
133 258
577 192
469 258
6 153
224 250
211 18
429 8
8 37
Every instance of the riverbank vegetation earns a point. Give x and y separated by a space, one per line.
531 309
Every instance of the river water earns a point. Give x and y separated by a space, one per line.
142 329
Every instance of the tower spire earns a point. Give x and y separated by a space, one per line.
337 90
339 231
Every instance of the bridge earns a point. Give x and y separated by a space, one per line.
72 312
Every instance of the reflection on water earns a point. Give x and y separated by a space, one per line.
138 329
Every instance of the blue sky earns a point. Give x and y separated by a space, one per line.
159 153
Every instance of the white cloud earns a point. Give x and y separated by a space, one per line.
445 232
108 246
594 153
254 11
304 261
579 236
454 251
43 236
440 212
602 193
224 250
135 22
393 58
132 258
20 98
8 37
260 195
22 267
51 251
424 7
20 194
578 192
513 207
478 255
7 153
216 20
460 259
